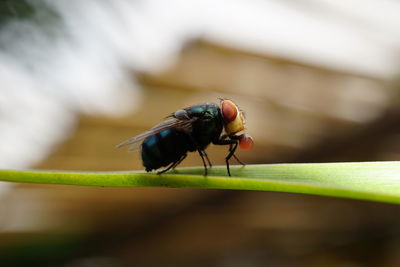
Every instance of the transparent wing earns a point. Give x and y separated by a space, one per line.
135 142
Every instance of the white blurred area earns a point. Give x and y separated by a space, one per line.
85 64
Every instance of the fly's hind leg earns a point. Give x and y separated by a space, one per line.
173 164
179 161
167 169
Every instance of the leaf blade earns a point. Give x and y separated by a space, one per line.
374 181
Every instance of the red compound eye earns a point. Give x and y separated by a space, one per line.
245 142
229 110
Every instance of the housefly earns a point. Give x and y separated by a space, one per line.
192 129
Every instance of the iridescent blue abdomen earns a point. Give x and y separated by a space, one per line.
164 148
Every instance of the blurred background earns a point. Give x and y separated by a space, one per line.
318 81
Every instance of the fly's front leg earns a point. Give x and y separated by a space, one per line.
234 156
231 153
234 137
231 143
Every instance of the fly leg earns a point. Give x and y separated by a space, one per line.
167 169
208 160
232 148
179 161
204 162
237 159
173 164
202 154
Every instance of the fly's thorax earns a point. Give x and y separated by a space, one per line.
203 111
208 126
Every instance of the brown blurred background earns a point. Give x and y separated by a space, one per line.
297 111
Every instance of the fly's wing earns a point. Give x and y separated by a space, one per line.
184 125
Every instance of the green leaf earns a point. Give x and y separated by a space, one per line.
375 181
